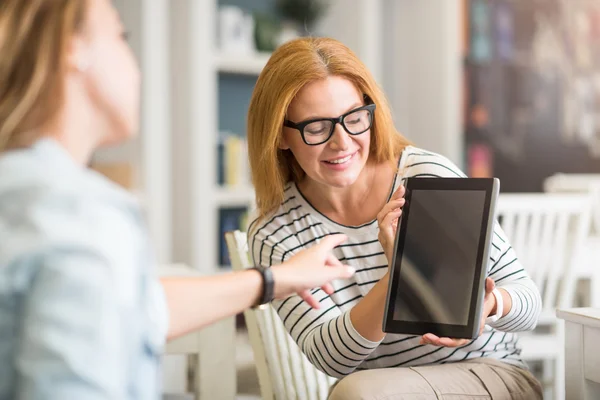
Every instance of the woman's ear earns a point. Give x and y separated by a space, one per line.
78 58
283 144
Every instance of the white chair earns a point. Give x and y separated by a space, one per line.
284 372
586 184
547 231
578 183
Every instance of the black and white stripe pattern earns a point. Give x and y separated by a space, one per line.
327 336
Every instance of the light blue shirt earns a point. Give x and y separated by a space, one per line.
82 315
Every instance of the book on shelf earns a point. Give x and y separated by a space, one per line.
504 30
230 219
232 157
480 30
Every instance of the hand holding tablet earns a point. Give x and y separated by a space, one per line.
439 262
387 219
489 303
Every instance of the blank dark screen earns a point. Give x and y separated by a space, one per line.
439 256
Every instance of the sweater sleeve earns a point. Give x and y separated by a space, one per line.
504 266
325 335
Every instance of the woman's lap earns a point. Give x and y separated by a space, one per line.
474 379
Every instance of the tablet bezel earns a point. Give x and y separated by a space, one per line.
491 188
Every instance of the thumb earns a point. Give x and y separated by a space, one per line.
490 285
329 242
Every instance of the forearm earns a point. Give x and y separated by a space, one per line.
200 301
522 306
367 316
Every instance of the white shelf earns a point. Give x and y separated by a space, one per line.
251 64
241 195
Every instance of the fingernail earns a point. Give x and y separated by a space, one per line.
351 270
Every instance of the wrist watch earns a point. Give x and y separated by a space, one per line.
268 287
499 307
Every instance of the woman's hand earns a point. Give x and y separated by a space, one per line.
387 220
311 268
489 307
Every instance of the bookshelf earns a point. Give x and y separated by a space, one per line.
231 196
251 64
198 111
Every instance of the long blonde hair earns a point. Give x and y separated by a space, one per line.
34 35
292 66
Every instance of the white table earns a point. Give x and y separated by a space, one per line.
211 351
582 353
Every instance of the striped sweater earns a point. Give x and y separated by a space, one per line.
326 335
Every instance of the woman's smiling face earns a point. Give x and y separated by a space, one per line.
339 161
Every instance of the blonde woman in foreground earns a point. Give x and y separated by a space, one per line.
326 159
82 315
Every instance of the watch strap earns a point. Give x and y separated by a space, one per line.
268 287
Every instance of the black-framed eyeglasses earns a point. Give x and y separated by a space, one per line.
318 131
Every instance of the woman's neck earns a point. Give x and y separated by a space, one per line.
356 204
75 132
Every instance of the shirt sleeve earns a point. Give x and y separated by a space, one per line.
71 332
503 266
508 273
325 335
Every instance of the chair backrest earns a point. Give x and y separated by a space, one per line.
283 370
547 232
578 183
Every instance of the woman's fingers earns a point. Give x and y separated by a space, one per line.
328 288
399 192
390 218
309 298
387 227
327 244
331 261
392 205
309 269
448 342
430 338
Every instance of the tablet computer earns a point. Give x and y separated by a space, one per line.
441 251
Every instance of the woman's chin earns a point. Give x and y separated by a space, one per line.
341 177
342 180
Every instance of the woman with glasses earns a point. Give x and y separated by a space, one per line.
82 314
326 159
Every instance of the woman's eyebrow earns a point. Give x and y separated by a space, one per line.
314 116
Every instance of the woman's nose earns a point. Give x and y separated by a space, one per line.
340 139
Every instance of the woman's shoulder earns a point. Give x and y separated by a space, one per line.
420 163
40 212
286 228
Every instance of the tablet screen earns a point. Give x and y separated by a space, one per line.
439 256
